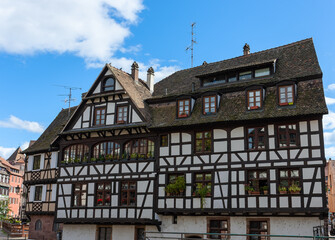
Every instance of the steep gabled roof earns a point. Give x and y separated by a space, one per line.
293 61
14 154
138 92
49 135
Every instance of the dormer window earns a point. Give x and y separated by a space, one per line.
108 84
286 95
184 108
245 75
209 104
262 72
254 99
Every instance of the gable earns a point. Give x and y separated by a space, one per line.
98 86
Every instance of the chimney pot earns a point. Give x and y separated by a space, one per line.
150 79
246 49
134 71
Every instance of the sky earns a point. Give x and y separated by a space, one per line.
46 45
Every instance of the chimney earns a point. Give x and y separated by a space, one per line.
246 49
150 79
134 71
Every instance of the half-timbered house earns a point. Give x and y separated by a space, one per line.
234 146
40 179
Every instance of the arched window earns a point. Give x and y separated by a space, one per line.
140 148
108 84
76 153
38 225
107 150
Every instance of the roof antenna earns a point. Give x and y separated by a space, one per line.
192 42
69 95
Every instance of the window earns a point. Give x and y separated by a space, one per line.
217 226
164 140
288 178
287 135
56 227
258 227
37 162
203 180
184 108
128 194
38 193
286 95
258 181
209 105
103 197
262 72
232 78
256 138
140 148
99 116
107 150
177 189
76 153
79 194
245 75
105 233
254 99
122 114
203 142
109 84
38 225
139 234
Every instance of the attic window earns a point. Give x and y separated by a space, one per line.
245 75
109 84
209 105
184 108
254 99
262 72
286 95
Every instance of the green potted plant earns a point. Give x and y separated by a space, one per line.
294 188
170 189
249 189
265 189
202 191
93 159
180 184
282 190
63 162
133 156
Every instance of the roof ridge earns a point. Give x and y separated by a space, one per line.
255 53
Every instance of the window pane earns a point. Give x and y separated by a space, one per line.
262 72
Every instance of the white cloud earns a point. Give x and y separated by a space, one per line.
93 30
15 122
6 152
329 121
24 146
330 152
330 101
331 86
329 137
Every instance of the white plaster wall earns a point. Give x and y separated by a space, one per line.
97 89
54 191
184 224
78 124
30 163
54 159
123 232
80 232
118 86
86 114
135 117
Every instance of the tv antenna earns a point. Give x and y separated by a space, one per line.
69 98
192 43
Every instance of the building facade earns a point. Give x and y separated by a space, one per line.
228 147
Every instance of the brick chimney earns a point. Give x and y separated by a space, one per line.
246 49
134 71
150 79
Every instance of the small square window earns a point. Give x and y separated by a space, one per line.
209 105
37 162
286 95
99 116
203 142
164 140
256 138
254 99
184 108
287 135
122 114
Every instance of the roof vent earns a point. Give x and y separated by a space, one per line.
204 63
134 71
246 49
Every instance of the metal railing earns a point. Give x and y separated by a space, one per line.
226 236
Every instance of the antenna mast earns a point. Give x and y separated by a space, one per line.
192 43
69 95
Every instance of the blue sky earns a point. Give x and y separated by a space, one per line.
66 42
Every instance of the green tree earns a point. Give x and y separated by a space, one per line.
4 209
